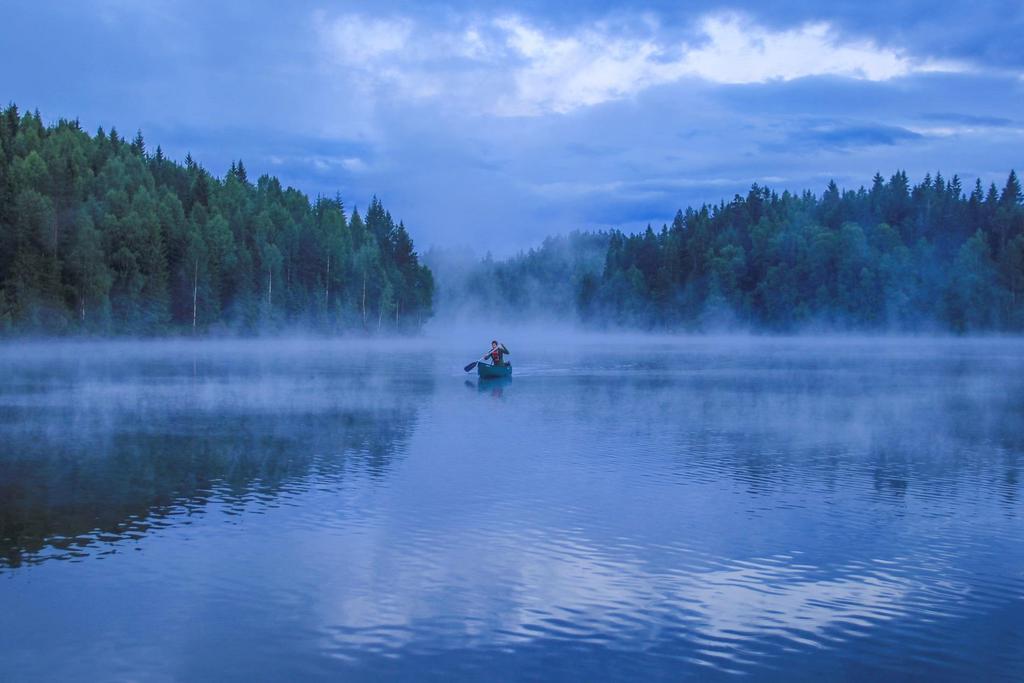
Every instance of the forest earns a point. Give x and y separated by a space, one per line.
100 236
929 257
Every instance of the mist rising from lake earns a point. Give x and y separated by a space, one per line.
629 507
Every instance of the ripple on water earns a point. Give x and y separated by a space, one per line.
781 514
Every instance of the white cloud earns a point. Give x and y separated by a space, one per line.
592 66
472 45
950 131
588 68
397 53
509 67
354 164
740 52
355 39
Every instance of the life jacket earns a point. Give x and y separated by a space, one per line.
496 355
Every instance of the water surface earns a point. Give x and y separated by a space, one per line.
777 509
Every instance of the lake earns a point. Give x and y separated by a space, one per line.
623 508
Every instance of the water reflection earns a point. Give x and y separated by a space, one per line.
495 387
91 456
779 511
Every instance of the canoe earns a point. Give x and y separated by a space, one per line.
491 371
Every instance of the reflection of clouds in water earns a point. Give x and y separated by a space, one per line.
572 591
753 601
632 504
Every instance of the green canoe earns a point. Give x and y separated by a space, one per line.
491 371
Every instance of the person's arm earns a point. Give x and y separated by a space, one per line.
504 349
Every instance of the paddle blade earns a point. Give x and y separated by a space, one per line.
470 366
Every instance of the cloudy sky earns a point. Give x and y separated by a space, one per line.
499 123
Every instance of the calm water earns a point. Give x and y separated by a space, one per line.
663 510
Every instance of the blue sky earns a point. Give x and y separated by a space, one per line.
495 124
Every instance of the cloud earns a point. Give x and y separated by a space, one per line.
739 51
849 135
551 118
358 40
509 66
559 74
354 164
646 188
594 66
968 119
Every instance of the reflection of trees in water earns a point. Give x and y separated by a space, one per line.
771 429
62 491
495 386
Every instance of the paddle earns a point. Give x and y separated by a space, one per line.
473 364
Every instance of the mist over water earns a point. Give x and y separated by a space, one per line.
632 507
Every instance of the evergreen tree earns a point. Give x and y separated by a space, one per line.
895 256
98 236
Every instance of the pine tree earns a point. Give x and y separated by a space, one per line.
1011 195
138 145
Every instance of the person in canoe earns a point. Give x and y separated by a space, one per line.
497 353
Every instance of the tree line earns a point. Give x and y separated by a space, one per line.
100 236
895 256
541 283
